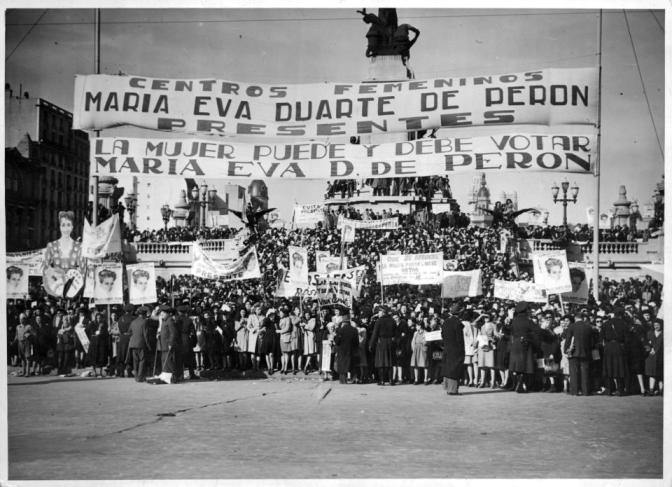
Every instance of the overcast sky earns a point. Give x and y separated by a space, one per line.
316 45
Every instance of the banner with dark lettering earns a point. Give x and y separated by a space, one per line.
308 216
540 97
180 158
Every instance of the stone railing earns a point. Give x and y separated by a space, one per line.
176 251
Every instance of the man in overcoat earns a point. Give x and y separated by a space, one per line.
579 349
347 343
453 350
138 344
123 363
381 341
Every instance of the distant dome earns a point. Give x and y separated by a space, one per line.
258 189
483 191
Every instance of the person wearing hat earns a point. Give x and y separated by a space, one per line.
188 340
381 341
347 343
138 344
267 339
521 361
169 344
452 334
122 363
613 363
653 366
578 347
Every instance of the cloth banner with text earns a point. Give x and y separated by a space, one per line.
412 268
141 283
308 216
246 267
382 224
461 284
509 151
519 291
329 263
33 260
536 97
102 239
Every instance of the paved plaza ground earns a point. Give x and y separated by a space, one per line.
75 428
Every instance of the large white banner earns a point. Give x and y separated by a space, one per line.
108 288
551 271
308 216
32 259
141 283
17 281
102 239
519 291
461 284
382 224
539 97
509 151
412 268
246 267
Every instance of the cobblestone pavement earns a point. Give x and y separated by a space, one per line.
76 428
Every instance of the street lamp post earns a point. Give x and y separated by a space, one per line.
204 203
564 200
131 201
166 212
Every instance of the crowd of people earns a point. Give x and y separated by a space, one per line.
614 343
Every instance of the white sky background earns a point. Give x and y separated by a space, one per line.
315 45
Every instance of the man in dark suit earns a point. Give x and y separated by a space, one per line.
123 364
579 348
188 339
138 344
168 343
347 343
453 350
381 341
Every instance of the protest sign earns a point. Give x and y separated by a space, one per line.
309 110
509 151
308 216
382 224
142 283
108 284
33 260
519 291
433 336
102 239
326 264
461 284
245 267
326 356
412 268
551 271
449 264
17 281
579 292
298 265
83 338
76 283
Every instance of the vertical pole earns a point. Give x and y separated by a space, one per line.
596 219
382 295
172 293
96 67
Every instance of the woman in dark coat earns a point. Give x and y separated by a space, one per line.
100 346
453 351
635 337
520 359
401 357
653 367
502 353
267 336
613 363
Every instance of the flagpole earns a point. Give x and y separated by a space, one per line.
96 63
596 219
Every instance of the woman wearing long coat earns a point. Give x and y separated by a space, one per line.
653 367
520 359
613 363
453 352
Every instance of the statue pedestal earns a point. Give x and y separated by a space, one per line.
386 68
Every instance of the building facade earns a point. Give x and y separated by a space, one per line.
47 171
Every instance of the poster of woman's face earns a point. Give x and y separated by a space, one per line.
17 281
108 284
551 271
141 283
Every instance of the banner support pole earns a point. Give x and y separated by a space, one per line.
96 66
596 218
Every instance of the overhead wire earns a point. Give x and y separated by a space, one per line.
27 34
641 79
